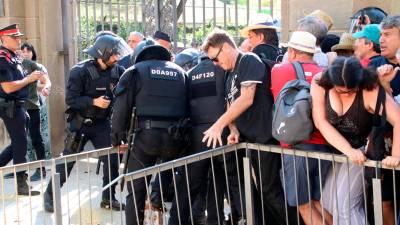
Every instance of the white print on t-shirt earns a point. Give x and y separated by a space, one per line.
308 74
234 90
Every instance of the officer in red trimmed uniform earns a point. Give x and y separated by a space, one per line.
13 92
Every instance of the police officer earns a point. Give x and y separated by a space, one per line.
156 87
207 104
187 59
89 98
364 16
13 92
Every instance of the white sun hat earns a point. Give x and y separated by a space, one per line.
303 41
259 21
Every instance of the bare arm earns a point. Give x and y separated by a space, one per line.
13 86
45 82
392 115
241 104
327 130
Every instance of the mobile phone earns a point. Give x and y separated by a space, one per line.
362 17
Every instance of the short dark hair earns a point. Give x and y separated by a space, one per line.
216 39
270 36
376 47
348 72
30 48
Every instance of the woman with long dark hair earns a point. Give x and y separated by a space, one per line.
33 104
344 99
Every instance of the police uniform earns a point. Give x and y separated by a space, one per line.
12 110
126 61
187 59
207 104
88 122
157 88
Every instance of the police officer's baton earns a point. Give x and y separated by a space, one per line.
131 138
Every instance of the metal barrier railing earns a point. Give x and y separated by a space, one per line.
234 188
249 178
73 204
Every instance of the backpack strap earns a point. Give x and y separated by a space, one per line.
299 70
380 102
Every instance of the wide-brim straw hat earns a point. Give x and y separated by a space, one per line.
259 21
303 41
346 42
323 16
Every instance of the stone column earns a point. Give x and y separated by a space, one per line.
51 42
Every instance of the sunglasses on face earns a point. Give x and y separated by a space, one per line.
215 59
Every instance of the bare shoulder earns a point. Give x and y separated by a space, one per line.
370 97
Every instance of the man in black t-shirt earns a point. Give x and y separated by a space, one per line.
247 92
249 114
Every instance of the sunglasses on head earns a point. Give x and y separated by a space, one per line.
215 59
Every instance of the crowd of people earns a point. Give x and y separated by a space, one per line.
157 106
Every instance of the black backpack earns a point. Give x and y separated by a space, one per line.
292 121
270 52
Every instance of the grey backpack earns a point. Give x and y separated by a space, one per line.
292 121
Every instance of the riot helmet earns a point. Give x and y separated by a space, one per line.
107 45
375 15
188 58
148 49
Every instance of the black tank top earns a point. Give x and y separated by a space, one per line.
355 124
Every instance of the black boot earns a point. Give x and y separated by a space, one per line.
155 200
48 202
9 176
22 187
114 205
36 176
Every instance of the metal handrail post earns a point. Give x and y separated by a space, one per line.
248 191
56 194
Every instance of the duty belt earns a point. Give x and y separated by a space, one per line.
149 124
7 103
19 102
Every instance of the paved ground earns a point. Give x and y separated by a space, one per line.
82 189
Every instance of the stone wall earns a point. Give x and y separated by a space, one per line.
41 22
339 10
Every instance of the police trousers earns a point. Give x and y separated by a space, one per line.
16 128
203 174
149 146
99 134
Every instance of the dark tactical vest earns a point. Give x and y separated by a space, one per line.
162 91
13 66
206 91
97 85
